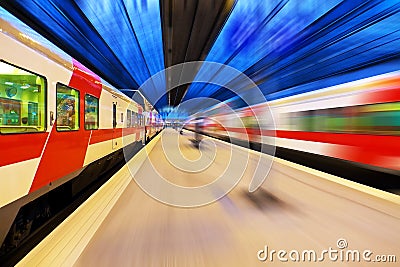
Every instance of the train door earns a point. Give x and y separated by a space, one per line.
114 134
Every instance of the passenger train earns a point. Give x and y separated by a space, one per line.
61 127
358 122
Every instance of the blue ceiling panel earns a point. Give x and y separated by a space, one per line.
257 28
285 46
121 40
291 47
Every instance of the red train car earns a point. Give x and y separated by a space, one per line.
358 122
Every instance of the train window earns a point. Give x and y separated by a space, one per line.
383 118
128 118
380 118
140 120
138 123
91 112
67 108
22 100
134 119
114 115
137 120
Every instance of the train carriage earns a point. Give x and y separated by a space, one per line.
358 122
61 127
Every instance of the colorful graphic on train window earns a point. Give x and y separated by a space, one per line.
91 112
67 108
22 100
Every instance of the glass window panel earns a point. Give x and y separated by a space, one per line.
128 118
381 118
134 119
91 112
22 100
67 108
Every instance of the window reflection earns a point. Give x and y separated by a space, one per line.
22 100
67 108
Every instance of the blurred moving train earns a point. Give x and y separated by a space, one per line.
61 127
358 122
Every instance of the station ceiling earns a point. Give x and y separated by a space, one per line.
285 46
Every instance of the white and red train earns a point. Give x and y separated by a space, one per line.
61 126
357 121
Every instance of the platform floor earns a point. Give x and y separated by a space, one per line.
296 209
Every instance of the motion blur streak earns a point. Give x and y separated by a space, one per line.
296 209
357 121
292 47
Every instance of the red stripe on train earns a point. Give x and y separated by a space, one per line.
381 96
65 151
103 135
20 147
377 150
381 144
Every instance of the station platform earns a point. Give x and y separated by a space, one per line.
297 208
